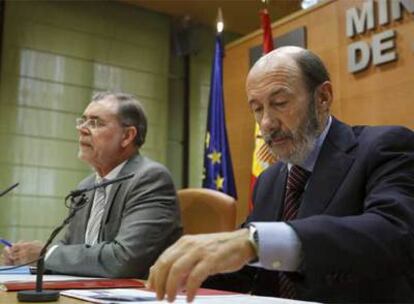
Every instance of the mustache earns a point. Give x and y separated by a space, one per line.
85 142
275 135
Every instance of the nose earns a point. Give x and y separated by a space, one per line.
268 122
82 129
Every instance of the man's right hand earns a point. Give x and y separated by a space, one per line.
193 258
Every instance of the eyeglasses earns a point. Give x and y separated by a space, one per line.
91 123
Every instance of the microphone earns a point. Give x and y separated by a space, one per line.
8 189
75 193
40 295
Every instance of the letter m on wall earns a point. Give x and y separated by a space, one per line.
358 21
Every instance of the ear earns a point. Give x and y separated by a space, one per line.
324 97
129 136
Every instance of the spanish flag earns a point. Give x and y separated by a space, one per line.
262 157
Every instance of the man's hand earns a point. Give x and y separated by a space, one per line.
193 258
22 252
6 259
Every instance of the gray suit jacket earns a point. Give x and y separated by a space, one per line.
140 220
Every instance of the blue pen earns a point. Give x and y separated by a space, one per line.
6 243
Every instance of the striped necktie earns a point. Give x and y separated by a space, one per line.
95 217
295 186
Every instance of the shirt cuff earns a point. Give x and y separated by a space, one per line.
279 246
50 250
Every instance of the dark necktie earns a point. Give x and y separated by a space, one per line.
295 185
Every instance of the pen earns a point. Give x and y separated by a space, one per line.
6 243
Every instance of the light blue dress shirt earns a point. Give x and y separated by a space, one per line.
279 246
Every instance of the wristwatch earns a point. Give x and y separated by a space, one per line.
254 241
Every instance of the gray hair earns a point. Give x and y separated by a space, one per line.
130 113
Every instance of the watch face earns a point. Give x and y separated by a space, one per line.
254 241
256 236
253 235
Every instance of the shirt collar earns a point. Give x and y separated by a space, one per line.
310 161
113 173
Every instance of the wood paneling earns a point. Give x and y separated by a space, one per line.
379 95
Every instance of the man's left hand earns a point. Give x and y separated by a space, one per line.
193 258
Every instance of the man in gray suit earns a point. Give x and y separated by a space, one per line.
126 225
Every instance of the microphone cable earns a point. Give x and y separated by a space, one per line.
21 265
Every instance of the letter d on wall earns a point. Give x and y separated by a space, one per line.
358 56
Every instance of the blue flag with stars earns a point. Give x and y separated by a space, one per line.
218 170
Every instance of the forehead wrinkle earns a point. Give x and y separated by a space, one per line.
283 78
279 91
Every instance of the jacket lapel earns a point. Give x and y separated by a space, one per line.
83 214
280 189
269 194
331 167
111 198
118 187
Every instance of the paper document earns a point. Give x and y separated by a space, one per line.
135 296
32 278
4 270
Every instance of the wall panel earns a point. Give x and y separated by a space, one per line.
55 55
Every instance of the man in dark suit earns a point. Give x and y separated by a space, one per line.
126 225
333 220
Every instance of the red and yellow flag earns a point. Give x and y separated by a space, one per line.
262 157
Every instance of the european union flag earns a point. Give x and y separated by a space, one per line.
218 170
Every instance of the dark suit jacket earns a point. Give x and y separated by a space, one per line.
355 222
140 220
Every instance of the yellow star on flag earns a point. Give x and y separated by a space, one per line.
219 182
215 157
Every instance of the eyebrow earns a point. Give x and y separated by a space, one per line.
273 93
280 91
90 116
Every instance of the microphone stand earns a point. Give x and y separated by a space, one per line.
8 189
40 295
